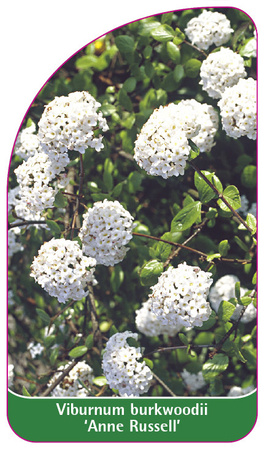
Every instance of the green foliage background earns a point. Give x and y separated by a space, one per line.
131 71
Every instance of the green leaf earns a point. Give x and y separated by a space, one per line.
173 52
186 217
149 363
54 355
116 278
252 223
232 196
89 342
125 43
163 33
60 201
150 272
178 72
107 174
78 351
223 247
179 36
206 193
125 100
208 323
213 367
237 290
192 67
245 300
241 244
134 182
54 227
195 151
183 338
225 310
130 84
132 342
100 381
43 315
25 392
107 109
249 176
105 326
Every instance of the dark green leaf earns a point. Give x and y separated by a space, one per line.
132 342
206 193
89 342
129 84
237 290
54 227
43 315
192 67
125 43
186 217
213 367
60 200
183 338
125 100
116 278
150 272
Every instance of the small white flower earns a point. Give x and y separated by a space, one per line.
122 368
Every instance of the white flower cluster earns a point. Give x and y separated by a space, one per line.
70 386
27 143
162 146
35 349
220 70
150 325
193 381
68 123
62 270
34 177
180 296
209 28
14 245
245 209
21 209
224 290
237 391
106 229
238 109
207 118
122 368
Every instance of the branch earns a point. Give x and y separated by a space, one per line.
25 223
198 252
81 181
221 196
164 385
